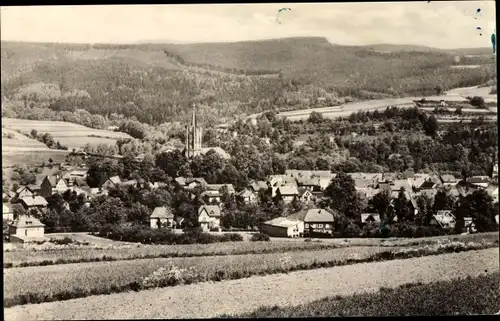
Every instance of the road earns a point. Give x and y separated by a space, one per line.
208 300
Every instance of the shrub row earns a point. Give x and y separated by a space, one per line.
140 234
175 276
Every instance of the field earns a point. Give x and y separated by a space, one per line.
207 300
84 279
20 149
70 135
466 296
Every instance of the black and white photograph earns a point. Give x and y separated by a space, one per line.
258 160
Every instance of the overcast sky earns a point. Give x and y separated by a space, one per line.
442 24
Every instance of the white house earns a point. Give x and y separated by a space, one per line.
161 217
283 227
112 182
209 217
247 196
26 228
444 219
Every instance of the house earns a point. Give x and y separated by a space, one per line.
218 187
305 195
256 186
211 196
73 175
97 191
469 225
52 185
128 183
25 191
448 179
34 202
7 212
288 192
279 180
112 182
401 183
191 183
26 228
318 221
209 217
370 218
162 217
309 183
283 227
444 219
479 181
247 196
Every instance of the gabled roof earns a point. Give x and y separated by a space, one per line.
199 180
318 215
212 210
448 178
363 182
445 218
303 191
245 193
34 201
217 187
478 179
180 180
282 222
115 180
287 190
162 212
417 182
396 186
7 208
131 182
27 221
258 185
367 217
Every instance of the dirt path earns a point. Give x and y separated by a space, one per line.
206 300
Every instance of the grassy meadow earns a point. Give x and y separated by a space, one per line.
464 296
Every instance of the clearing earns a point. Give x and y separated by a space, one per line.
69 134
206 300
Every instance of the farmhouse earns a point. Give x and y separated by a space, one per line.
283 227
26 228
318 221
209 217
161 217
305 195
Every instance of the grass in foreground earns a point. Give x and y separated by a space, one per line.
64 282
480 295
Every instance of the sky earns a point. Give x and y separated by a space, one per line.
440 24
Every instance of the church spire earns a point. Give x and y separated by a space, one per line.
194 116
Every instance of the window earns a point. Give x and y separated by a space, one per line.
328 226
306 225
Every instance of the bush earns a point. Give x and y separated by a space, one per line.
145 235
260 237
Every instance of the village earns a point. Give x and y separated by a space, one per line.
22 207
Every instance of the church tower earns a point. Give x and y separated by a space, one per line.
193 137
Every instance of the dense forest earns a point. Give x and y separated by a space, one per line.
160 83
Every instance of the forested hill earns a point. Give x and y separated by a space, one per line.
160 82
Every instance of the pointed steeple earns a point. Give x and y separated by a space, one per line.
194 116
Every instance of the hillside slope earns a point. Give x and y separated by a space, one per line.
160 82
